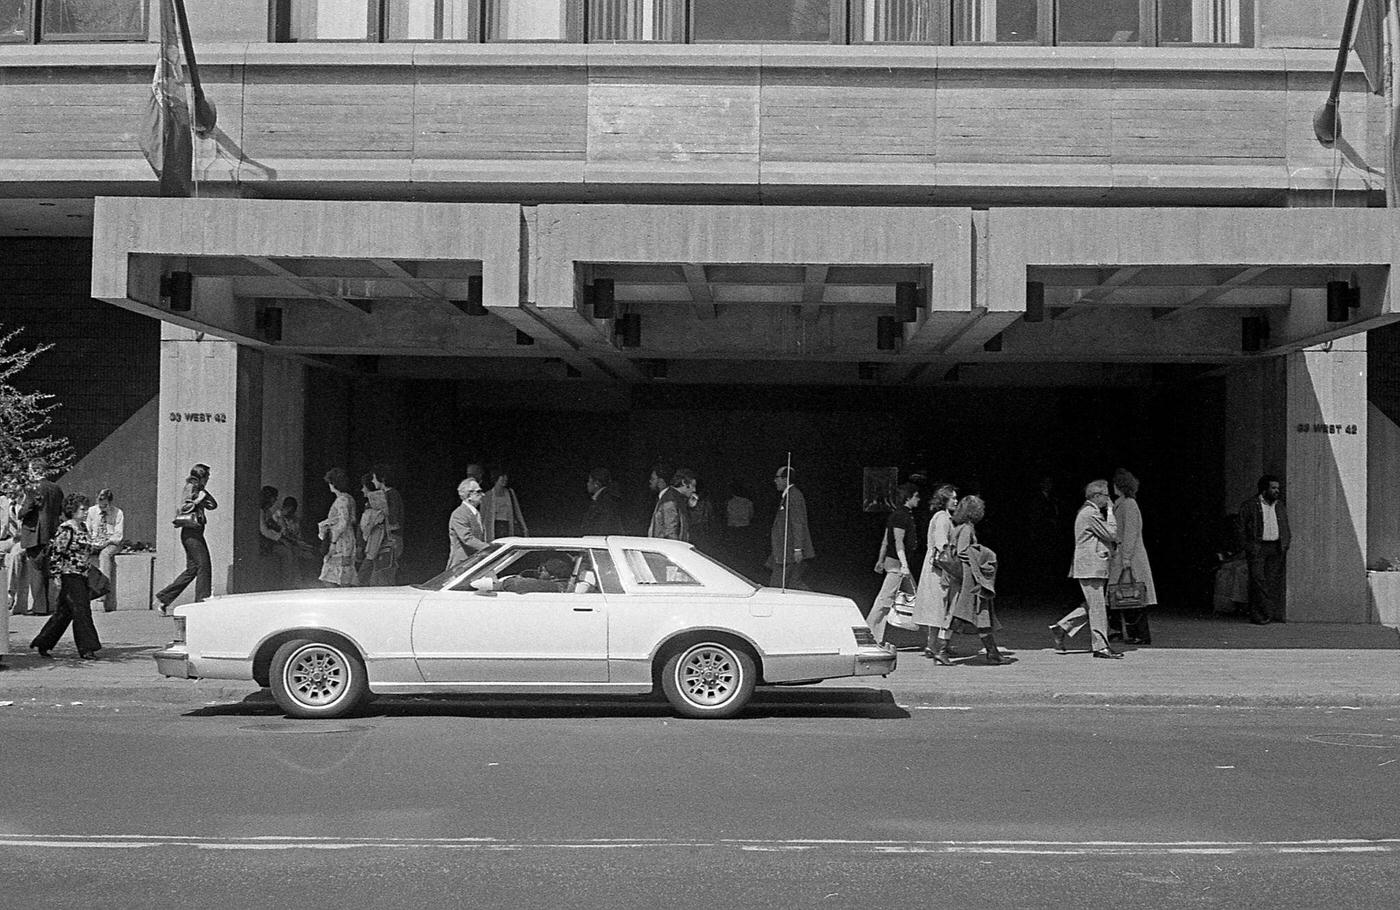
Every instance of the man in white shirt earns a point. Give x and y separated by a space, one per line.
1264 522
106 527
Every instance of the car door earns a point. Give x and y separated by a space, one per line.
470 636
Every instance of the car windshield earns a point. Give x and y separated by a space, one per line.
458 569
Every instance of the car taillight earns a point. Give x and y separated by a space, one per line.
179 638
864 636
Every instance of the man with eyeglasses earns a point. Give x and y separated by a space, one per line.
1095 535
790 542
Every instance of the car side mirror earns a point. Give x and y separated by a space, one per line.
484 584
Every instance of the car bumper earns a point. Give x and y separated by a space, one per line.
175 662
874 661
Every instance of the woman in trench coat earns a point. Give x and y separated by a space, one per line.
1130 554
931 597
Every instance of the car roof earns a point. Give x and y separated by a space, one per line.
593 540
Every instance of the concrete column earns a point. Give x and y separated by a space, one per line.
211 397
1325 482
284 425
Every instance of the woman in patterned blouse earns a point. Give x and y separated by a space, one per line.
68 554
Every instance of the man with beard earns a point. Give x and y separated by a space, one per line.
1264 522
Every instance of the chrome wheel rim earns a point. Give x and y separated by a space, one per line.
708 675
317 676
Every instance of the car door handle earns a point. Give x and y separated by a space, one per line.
583 609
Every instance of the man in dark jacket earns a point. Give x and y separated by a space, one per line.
40 514
604 514
1264 523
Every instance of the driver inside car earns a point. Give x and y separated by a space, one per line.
552 578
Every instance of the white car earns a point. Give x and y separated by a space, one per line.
579 615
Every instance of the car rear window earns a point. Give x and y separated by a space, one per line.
651 568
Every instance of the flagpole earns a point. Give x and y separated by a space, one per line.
1327 122
787 485
205 116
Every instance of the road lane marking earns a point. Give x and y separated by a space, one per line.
755 845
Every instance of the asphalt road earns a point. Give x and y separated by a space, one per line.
830 798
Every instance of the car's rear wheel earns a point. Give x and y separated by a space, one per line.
317 679
709 679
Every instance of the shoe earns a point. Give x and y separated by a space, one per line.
1137 641
163 608
993 655
1059 633
1108 654
943 656
43 652
1260 620
87 655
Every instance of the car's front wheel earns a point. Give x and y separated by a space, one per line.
317 679
709 679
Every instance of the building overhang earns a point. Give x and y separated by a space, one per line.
746 294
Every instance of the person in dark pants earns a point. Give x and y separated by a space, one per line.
68 555
1264 523
40 513
195 500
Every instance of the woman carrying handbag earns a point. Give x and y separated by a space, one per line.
1128 565
195 501
69 551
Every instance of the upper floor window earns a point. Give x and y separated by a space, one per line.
775 21
1069 22
72 20
1044 22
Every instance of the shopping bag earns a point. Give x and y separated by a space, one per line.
902 613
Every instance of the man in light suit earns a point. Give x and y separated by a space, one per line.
1094 539
1264 523
465 535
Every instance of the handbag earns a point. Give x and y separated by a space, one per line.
98 583
187 516
1129 594
902 613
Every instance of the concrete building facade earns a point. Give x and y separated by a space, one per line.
1005 238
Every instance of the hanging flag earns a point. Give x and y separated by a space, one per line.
1370 42
166 140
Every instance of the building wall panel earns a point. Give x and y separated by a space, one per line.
500 113
849 115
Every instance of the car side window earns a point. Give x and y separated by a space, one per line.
534 570
650 568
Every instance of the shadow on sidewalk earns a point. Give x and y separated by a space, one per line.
768 702
1025 625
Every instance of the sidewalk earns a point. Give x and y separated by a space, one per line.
1192 661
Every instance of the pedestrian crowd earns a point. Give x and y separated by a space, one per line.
938 579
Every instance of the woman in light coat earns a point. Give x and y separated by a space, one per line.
500 511
1130 554
931 597
338 527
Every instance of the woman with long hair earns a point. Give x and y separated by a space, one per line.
68 553
931 597
338 527
195 501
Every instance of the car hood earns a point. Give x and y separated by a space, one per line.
312 597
